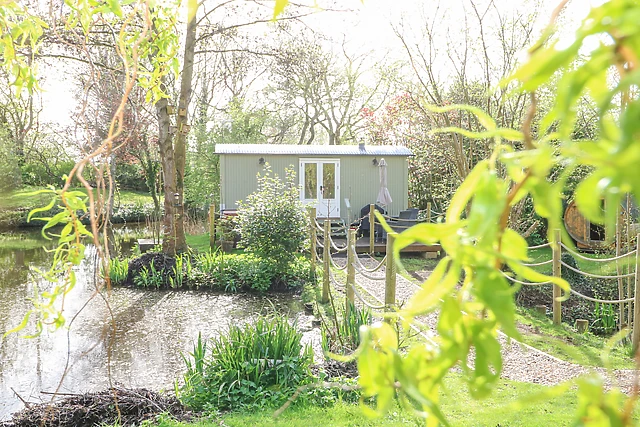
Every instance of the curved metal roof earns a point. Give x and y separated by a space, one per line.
314 150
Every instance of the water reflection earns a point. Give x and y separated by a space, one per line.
152 328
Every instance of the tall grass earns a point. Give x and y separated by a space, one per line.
252 365
149 277
344 335
118 270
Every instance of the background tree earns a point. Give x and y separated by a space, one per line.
325 91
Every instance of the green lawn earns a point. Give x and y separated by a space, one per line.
24 198
15 205
564 343
601 268
198 242
511 404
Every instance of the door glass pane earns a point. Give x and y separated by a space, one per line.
328 180
310 180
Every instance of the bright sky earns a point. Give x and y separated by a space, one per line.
367 29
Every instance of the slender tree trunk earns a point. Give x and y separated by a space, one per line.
181 136
165 144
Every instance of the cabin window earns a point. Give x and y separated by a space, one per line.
310 180
328 180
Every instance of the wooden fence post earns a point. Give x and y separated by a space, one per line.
372 228
428 212
621 320
636 300
325 261
312 240
390 277
557 272
351 270
212 225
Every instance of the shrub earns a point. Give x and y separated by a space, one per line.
254 365
236 271
214 270
272 220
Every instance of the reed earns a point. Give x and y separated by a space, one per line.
252 364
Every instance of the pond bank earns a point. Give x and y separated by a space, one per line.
152 330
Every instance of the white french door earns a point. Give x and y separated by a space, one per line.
320 186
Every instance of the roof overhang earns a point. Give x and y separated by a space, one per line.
314 150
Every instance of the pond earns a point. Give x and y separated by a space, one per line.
153 329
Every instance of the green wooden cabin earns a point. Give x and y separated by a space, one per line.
338 179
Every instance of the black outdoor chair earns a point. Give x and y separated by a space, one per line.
406 219
363 224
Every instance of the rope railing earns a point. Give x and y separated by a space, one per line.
365 302
355 292
514 280
335 247
537 264
359 267
601 301
367 275
355 266
596 276
544 245
392 219
335 264
379 265
577 255
335 282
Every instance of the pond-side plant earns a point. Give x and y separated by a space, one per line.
118 270
252 365
342 335
149 278
606 319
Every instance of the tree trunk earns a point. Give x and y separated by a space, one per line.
181 135
165 145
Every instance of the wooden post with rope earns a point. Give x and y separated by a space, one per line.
390 275
372 227
325 262
212 225
557 272
312 240
636 300
351 270
621 296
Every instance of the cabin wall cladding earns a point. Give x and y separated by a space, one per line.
359 177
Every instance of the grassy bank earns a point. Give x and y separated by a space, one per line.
16 205
563 342
511 404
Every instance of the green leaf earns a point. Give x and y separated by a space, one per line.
504 133
439 283
465 191
493 290
44 209
484 119
279 8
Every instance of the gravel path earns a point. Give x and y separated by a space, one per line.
520 361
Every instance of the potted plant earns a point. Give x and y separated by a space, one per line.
227 233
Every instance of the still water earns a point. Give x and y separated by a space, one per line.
153 328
